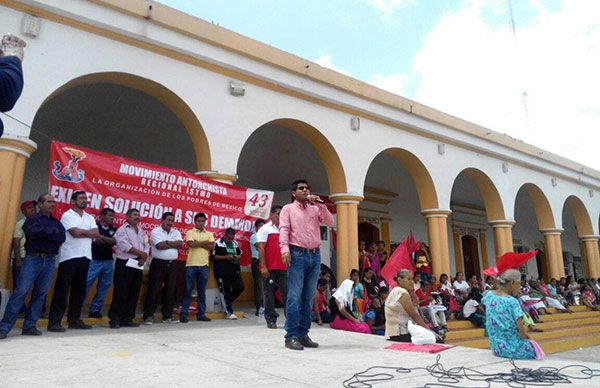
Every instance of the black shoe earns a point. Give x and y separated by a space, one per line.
79 324
130 324
95 314
31 331
56 328
114 325
183 319
272 325
308 343
204 318
293 344
3 335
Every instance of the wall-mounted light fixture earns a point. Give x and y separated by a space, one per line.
237 89
554 182
591 193
441 149
30 25
355 123
505 167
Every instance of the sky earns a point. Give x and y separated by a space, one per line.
526 68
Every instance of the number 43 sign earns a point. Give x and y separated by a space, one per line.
258 203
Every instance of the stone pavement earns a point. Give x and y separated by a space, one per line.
221 353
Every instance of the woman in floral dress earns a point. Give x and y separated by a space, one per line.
504 323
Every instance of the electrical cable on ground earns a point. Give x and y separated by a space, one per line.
458 376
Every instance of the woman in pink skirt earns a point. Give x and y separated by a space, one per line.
341 306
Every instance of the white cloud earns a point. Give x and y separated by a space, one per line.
478 72
326 60
394 83
387 8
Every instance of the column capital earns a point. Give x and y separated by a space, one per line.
435 213
551 231
339 198
19 145
385 219
590 237
501 223
223 177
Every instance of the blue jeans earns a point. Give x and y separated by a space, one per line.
303 274
196 275
103 270
36 272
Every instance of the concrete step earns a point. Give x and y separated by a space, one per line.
43 323
463 336
570 343
464 324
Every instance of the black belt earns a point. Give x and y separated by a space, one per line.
306 250
40 254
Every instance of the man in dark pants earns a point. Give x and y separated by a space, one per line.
272 268
74 260
132 253
257 279
166 242
11 72
28 208
227 270
44 234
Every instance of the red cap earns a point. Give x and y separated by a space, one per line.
26 204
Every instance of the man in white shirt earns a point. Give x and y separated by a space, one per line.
165 241
74 260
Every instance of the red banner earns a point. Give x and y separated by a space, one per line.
120 184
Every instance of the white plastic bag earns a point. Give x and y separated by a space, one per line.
420 335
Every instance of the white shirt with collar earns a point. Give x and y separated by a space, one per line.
76 246
159 235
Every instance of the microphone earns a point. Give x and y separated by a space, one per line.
317 199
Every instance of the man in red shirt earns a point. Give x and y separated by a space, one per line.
299 241
272 268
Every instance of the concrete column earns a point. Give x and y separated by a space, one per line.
502 236
554 258
14 152
437 230
458 262
484 253
592 255
385 232
347 233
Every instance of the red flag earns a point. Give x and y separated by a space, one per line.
508 261
399 259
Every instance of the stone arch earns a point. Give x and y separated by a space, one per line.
422 180
492 201
541 205
322 146
159 92
583 221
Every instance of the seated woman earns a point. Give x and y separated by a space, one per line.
461 288
416 281
360 300
399 309
588 298
375 317
529 300
574 289
473 310
341 306
504 321
320 305
489 284
431 307
539 290
448 298
370 284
